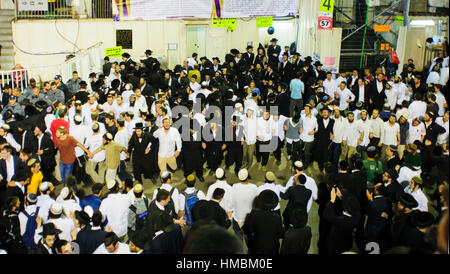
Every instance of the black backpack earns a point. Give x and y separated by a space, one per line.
142 217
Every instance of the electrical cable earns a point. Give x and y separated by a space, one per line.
62 36
30 53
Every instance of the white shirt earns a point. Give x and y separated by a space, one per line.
175 195
66 225
264 129
107 107
277 126
417 109
115 208
275 188
365 126
123 249
443 78
227 200
93 142
308 124
416 132
440 101
122 108
420 198
361 92
344 95
122 138
442 138
329 87
44 202
10 140
10 170
377 126
243 196
70 205
310 184
389 134
87 109
250 129
339 129
352 133
191 62
403 93
406 174
433 78
168 141
141 103
80 133
379 86
392 96
127 94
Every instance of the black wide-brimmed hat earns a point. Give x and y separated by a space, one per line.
274 40
139 126
407 200
234 51
41 104
49 229
317 64
421 219
149 52
268 200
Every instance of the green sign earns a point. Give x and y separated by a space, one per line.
264 22
229 23
327 6
400 19
114 52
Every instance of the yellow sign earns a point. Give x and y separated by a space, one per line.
114 52
229 23
382 28
327 6
264 22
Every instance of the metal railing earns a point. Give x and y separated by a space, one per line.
15 78
63 9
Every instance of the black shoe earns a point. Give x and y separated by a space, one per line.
200 177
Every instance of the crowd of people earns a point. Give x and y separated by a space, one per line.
381 146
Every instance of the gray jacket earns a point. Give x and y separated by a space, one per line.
17 109
73 86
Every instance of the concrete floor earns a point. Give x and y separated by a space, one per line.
283 172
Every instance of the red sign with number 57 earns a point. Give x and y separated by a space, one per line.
325 22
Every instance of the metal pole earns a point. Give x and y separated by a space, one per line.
364 38
406 13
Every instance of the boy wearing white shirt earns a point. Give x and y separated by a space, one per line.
264 136
93 142
353 136
249 123
391 94
344 95
415 189
244 193
390 135
309 128
227 202
365 127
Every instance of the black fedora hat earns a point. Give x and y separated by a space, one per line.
149 52
267 199
139 126
82 217
216 58
41 104
421 219
49 229
274 40
406 200
317 64
234 51
308 59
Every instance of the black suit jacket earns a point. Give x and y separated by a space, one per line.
89 240
210 210
248 58
273 60
367 92
4 172
340 237
264 230
286 72
107 68
377 98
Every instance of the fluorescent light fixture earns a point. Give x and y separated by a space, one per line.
422 23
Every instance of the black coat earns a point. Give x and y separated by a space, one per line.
264 230
273 60
168 242
340 237
107 68
283 101
296 241
48 156
89 240
376 226
248 58
4 172
210 210
286 72
355 91
322 136
377 97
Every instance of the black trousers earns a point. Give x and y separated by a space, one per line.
213 156
192 161
235 154
322 153
262 157
141 167
307 148
79 171
47 168
277 152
